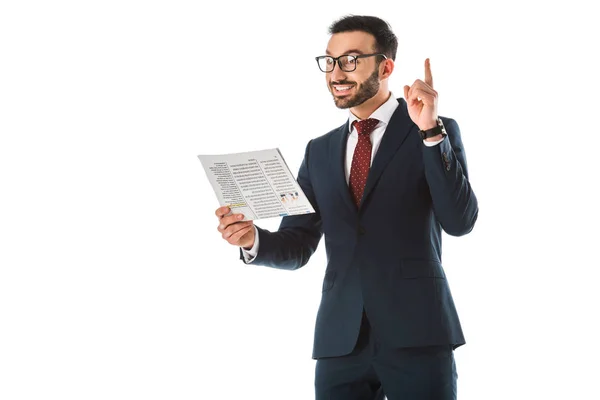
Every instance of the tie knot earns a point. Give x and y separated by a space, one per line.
365 126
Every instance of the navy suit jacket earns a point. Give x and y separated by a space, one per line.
384 256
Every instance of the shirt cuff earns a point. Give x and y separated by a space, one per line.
250 255
431 144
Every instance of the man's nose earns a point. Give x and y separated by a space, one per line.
337 74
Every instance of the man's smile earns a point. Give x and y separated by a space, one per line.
341 89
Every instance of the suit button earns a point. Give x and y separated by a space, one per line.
446 161
361 230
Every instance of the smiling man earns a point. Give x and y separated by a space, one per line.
384 185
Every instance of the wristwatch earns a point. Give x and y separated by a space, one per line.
434 131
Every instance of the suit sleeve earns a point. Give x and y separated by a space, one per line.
298 236
454 201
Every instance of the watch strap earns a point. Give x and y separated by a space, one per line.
438 129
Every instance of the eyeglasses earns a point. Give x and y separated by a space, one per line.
346 62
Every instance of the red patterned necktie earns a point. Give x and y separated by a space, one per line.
361 160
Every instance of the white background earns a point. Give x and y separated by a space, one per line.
114 282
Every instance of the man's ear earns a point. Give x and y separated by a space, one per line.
387 69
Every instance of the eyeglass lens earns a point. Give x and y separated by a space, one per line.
348 63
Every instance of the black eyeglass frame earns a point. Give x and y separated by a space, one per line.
337 62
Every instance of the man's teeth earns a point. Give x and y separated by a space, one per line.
342 88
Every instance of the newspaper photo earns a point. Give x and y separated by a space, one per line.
258 184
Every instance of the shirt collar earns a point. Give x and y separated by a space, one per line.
383 113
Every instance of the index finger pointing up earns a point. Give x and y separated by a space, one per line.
428 78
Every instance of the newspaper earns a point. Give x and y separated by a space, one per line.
258 184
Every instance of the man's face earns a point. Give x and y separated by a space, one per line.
350 89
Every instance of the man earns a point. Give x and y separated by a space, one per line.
383 186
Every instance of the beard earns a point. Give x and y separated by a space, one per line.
364 91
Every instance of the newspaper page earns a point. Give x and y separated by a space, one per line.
258 184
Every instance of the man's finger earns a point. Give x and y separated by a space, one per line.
229 220
221 211
419 84
428 77
238 235
425 96
233 228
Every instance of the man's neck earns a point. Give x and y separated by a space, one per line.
367 108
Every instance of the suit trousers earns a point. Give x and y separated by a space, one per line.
372 371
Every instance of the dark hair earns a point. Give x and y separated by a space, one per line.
385 40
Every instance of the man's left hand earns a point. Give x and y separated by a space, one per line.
422 100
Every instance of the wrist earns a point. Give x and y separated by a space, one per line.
435 132
429 126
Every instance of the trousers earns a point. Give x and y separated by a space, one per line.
373 372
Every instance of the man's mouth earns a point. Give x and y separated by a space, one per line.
342 89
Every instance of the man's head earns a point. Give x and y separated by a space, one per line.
353 81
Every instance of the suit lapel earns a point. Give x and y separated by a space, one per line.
337 158
395 134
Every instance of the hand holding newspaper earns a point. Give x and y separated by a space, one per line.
258 184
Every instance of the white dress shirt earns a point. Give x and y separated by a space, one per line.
383 114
